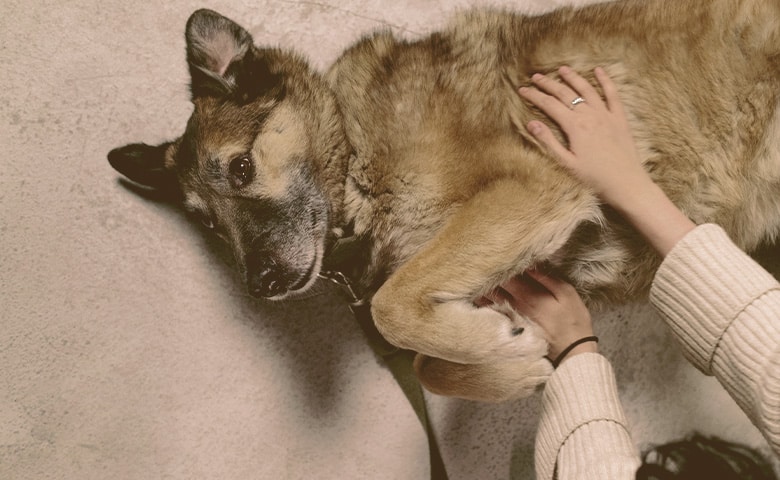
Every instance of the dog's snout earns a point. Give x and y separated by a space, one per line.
265 278
266 284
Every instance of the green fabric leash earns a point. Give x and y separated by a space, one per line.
400 364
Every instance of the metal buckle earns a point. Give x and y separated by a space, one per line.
344 284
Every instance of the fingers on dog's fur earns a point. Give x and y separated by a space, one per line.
611 95
489 382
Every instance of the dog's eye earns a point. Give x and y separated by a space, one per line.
241 170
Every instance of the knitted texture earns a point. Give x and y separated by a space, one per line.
583 426
725 310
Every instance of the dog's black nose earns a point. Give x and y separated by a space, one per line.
268 281
265 277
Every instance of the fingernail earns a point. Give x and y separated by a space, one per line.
537 76
564 69
535 128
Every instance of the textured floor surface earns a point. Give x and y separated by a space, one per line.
128 348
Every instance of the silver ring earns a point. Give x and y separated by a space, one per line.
576 102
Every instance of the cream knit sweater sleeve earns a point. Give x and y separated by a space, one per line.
725 311
582 431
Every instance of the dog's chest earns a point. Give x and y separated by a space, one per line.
397 212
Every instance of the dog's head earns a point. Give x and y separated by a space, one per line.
262 160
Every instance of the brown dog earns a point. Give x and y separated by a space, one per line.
417 152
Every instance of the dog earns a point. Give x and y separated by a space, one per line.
415 153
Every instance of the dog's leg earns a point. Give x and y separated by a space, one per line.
427 304
485 382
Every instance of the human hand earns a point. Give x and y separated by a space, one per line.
554 305
603 155
601 152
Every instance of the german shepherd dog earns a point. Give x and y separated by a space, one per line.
416 152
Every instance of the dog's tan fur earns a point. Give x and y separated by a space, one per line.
453 197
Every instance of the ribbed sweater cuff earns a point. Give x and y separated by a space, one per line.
689 292
581 391
747 363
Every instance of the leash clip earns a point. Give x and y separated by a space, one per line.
344 284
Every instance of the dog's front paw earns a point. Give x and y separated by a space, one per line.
489 382
460 332
516 336
472 335
486 335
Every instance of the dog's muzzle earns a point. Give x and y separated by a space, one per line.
265 279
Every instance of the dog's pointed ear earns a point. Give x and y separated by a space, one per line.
145 165
223 61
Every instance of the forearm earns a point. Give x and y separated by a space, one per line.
582 428
598 450
725 310
647 208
